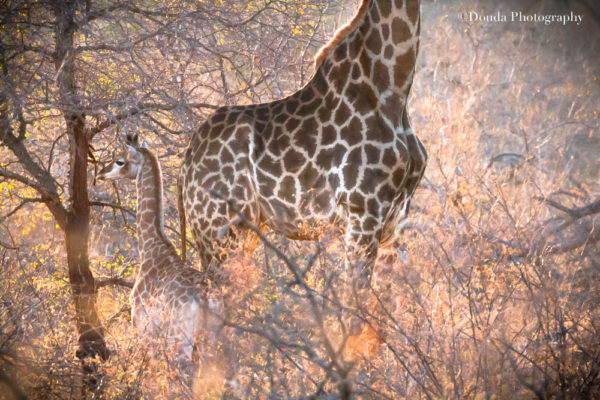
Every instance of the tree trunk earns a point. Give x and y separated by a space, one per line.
83 287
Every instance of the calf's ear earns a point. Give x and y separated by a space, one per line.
132 139
131 151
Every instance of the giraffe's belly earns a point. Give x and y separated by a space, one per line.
314 213
327 204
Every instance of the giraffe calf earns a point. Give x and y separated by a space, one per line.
168 299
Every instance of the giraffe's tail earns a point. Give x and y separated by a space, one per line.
181 212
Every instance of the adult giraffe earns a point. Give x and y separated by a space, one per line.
340 150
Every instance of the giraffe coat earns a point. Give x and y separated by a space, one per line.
168 299
340 151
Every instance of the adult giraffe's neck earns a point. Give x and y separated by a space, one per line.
373 62
149 217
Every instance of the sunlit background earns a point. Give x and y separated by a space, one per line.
492 290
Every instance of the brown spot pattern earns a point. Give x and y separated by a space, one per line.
344 139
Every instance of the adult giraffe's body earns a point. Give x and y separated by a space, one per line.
340 150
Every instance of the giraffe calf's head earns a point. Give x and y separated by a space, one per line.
127 166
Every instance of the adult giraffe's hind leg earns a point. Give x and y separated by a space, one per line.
365 336
372 334
361 252
360 255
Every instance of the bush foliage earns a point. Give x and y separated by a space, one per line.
491 290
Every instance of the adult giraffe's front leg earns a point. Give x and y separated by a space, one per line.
219 220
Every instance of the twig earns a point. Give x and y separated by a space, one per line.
142 108
126 309
575 213
7 246
23 203
99 203
341 369
504 155
115 281
576 243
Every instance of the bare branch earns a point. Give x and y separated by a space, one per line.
8 246
98 203
141 108
21 48
20 178
498 157
580 240
252 17
21 205
126 309
575 213
115 281
44 183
